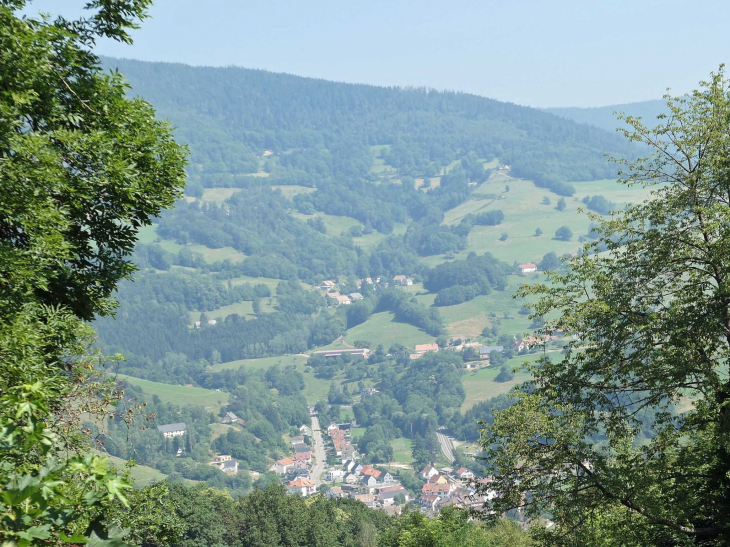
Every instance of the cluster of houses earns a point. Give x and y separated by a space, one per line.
423 349
334 298
447 487
296 469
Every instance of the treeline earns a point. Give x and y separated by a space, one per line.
193 516
462 280
191 289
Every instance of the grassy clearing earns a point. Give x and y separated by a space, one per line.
261 364
525 212
270 281
180 395
218 195
480 385
402 448
293 190
221 429
241 308
335 224
141 474
382 328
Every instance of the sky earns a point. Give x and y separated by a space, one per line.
532 52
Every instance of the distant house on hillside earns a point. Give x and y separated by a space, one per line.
225 463
486 351
229 418
327 285
355 296
402 280
343 299
360 352
528 268
172 430
428 472
425 348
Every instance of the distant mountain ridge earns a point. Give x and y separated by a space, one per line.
228 115
604 117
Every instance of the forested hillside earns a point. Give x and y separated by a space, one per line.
230 114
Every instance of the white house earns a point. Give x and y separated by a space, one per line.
352 479
354 296
306 430
335 475
402 280
302 486
464 474
283 466
528 268
428 472
172 430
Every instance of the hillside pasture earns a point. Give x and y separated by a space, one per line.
382 328
180 395
261 364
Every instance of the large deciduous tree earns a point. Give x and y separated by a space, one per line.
626 439
82 167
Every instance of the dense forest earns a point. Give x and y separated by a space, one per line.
229 115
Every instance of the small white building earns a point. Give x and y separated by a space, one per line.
528 268
172 430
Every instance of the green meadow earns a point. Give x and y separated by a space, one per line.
210 399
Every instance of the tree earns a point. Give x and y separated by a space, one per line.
504 236
546 200
549 262
82 168
561 204
564 233
538 232
596 440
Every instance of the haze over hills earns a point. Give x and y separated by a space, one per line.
604 117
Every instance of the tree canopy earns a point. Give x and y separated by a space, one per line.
82 167
626 439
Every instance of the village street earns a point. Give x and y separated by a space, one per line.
318 452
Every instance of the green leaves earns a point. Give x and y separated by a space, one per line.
82 167
625 438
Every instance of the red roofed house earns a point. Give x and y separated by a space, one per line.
424 348
282 466
370 470
528 268
464 474
435 489
302 486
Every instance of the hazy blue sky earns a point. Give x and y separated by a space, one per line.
534 52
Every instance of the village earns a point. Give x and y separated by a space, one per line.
325 461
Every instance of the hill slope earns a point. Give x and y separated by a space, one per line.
603 117
229 114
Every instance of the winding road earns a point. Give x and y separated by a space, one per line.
318 452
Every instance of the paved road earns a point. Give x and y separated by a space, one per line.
446 447
319 453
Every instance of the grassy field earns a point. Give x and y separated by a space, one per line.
382 328
218 195
480 385
335 224
241 308
263 363
148 235
141 474
210 399
525 212
293 190
402 450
